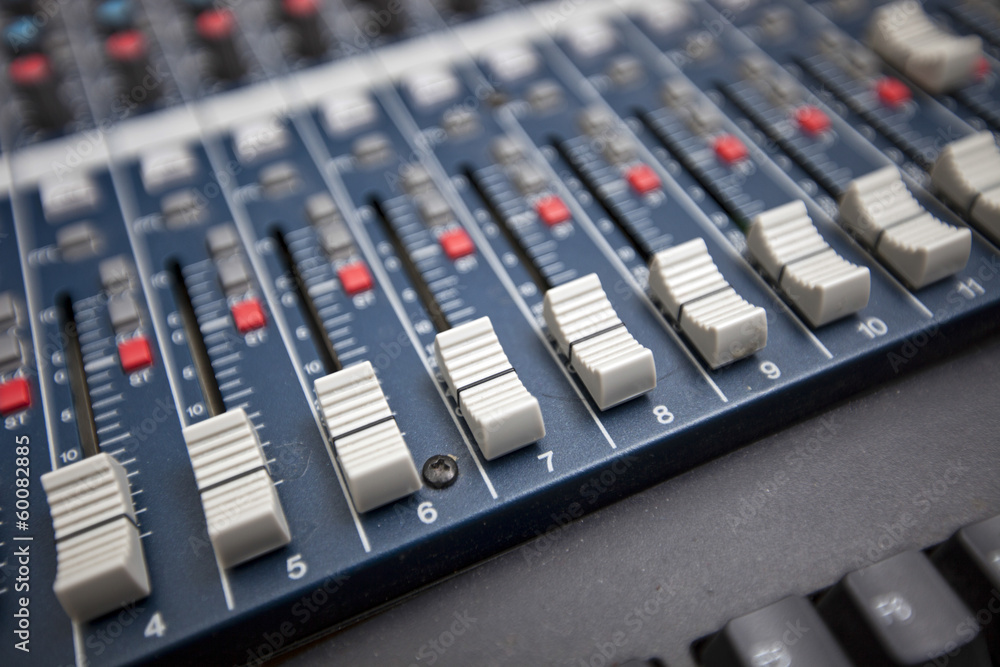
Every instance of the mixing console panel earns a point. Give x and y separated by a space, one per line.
305 305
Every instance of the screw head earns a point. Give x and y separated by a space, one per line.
440 471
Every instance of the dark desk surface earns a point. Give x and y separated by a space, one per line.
898 467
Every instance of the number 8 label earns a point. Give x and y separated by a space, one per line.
663 415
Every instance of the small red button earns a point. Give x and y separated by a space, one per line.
552 210
812 120
643 179
248 315
135 354
126 45
30 70
15 395
982 68
214 24
892 92
354 278
729 149
456 243
300 8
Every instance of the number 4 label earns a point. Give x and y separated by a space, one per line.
156 627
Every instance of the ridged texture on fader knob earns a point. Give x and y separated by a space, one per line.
721 324
612 365
502 414
821 284
241 504
907 39
967 173
101 565
921 249
376 462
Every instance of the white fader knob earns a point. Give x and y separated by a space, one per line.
907 39
101 565
882 212
376 462
721 324
821 284
241 503
502 414
613 366
967 173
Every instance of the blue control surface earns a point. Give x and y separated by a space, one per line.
186 124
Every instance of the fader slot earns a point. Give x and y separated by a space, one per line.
500 412
324 346
537 276
875 206
196 343
977 18
660 128
641 245
611 364
815 163
548 292
243 510
101 564
721 325
427 298
846 90
85 425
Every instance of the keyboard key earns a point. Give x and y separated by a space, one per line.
902 612
970 562
788 632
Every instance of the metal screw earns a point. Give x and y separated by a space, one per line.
440 471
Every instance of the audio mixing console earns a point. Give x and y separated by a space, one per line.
305 305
